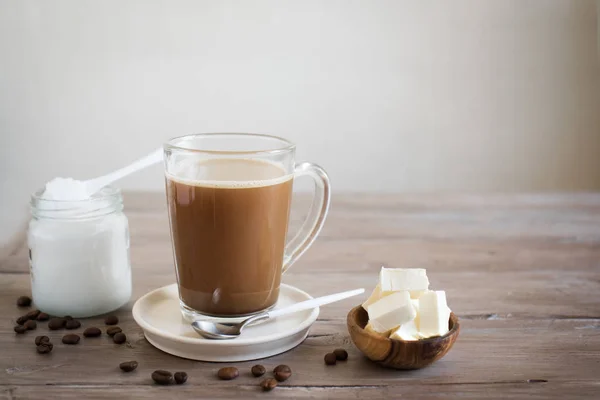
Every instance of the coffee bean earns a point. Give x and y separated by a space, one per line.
180 377
341 354
282 372
45 347
119 338
258 370
282 368
33 314
67 318
24 301
56 323
92 332
228 373
330 359
72 324
282 375
71 338
113 330
30 325
111 320
21 320
41 339
162 377
20 329
268 384
43 317
128 366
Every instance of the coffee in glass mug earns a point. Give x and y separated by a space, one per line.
229 198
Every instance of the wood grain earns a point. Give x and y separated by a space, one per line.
522 272
499 390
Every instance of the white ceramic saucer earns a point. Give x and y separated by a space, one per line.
158 314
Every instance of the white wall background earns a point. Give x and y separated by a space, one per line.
463 95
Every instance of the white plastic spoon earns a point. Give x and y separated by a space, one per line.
224 331
94 185
85 189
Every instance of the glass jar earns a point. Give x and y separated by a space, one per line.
79 254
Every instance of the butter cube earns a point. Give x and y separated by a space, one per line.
391 311
370 328
376 295
415 294
434 314
397 279
410 330
417 307
407 331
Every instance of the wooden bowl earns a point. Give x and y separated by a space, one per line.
399 354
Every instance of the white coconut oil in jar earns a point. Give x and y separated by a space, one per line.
79 254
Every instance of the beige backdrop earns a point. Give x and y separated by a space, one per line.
480 95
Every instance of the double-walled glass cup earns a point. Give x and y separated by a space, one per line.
229 197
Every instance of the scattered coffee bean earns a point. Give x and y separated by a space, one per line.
330 359
45 347
56 323
228 373
20 329
180 377
33 314
30 325
24 301
128 366
119 338
162 377
21 320
72 324
67 318
111 320
341 354
113 330
268 384
41 339
258 370
282 372
92 332
43 317
71 338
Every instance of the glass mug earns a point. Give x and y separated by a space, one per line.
229 197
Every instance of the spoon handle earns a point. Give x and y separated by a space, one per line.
98 183
313 303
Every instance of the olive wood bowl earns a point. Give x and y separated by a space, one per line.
399 354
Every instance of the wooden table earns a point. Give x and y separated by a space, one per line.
522 272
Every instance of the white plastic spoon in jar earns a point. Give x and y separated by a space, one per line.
68 189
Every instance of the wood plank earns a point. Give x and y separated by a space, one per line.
559 220
400 216
235 391
151 201
487 351
531 283
523 275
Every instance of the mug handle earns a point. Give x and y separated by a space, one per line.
316 215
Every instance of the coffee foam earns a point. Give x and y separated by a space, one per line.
194 173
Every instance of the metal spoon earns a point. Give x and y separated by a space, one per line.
224 331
